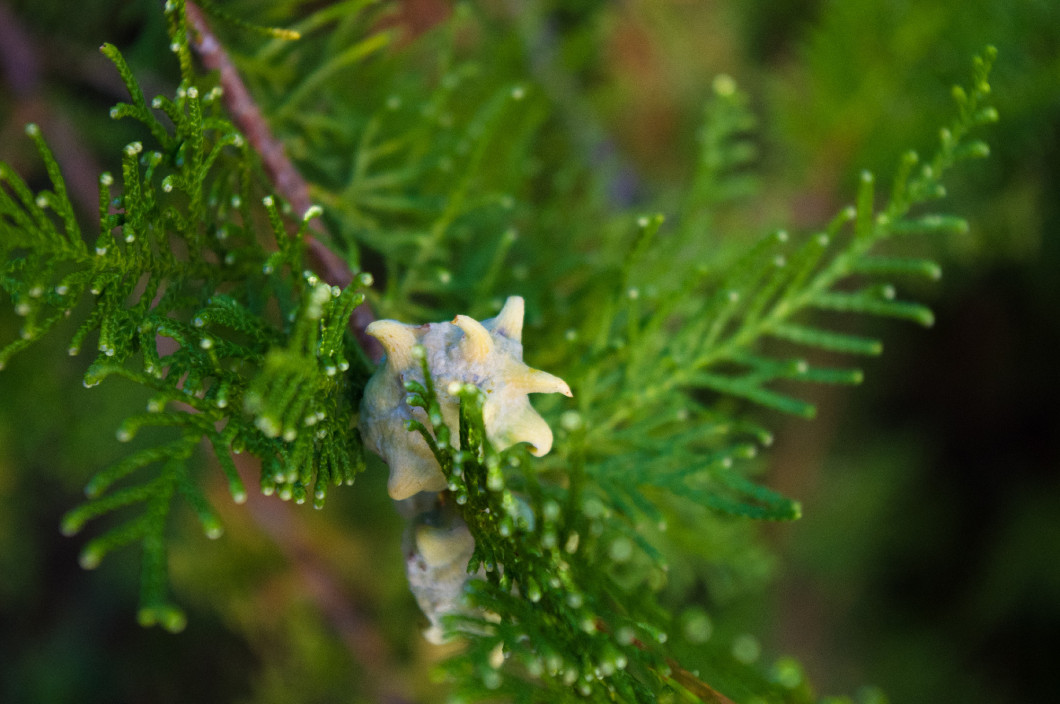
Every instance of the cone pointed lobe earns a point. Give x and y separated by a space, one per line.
396 338
509 322
477 343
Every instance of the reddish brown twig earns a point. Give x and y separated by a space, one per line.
286 179
696 686
356 630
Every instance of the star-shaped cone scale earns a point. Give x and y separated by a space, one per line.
488 354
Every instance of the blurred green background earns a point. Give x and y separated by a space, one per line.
927 561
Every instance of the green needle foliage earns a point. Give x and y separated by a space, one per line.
564 610
656 368
239 345
195 286
547 624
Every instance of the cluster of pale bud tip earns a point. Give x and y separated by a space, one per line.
487 354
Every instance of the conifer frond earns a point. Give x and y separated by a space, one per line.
658 356
560 567
214 10
149 528
726 155
183 297
421 176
